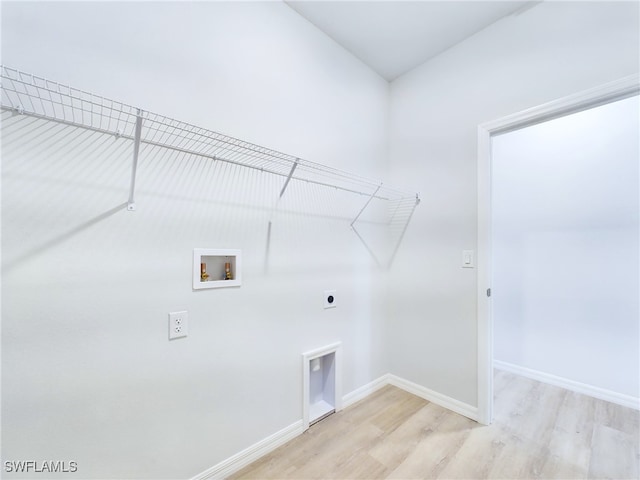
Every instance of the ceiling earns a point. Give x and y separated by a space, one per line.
393 37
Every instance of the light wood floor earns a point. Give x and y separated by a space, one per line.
539 431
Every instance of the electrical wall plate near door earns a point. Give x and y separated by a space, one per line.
468 260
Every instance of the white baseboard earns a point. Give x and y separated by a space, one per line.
240 460
254 452
596 392
364 391
449 403
251 454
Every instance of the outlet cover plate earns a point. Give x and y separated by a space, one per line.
330 299
178 324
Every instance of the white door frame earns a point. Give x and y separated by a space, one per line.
607 93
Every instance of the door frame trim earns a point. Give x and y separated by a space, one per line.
617 90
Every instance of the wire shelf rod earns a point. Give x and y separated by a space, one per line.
68 123
212 157
261 169
41 98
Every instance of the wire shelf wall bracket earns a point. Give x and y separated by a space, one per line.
131 204
274 210
27 94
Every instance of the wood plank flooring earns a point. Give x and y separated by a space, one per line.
539 432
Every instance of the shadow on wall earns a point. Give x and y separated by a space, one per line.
55 241
56 174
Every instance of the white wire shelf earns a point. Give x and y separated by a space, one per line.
28 94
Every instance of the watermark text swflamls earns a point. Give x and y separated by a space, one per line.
45 466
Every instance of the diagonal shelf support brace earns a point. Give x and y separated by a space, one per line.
284 187
366 245
404 230
131 204
286 182
373 195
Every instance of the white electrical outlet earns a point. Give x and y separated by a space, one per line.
178 324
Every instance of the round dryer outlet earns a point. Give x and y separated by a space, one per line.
330 299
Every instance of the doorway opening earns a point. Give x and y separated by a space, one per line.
488 135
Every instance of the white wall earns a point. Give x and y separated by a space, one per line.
88 373
566 247
544 53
